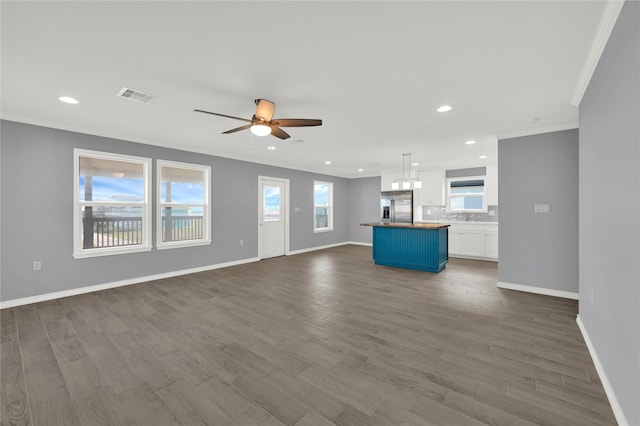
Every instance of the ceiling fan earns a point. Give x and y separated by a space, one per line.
262 123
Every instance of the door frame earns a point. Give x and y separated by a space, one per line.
285 213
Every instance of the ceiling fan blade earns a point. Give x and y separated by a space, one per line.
279 133
296 122
265 109
223 115
237 129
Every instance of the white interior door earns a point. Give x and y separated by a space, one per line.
273 220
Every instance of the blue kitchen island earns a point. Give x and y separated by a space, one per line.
420 246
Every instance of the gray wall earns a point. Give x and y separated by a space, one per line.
37 212
610 210
364 207
539 249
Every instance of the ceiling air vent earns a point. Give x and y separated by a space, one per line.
135 95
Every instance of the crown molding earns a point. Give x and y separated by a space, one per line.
607 21
538 130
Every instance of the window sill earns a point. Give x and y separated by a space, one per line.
183 244
318 231
109 252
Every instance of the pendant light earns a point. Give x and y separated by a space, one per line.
406 182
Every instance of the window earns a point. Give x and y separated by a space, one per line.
112 214
466 194
322 206
183 205
271 203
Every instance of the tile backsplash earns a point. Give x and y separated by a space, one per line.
440 213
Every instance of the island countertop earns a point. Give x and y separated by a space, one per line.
408 225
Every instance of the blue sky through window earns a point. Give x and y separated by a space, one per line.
321 194
114 189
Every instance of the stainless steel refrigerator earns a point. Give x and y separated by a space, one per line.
396 206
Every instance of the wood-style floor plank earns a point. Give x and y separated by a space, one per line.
13 395
318 338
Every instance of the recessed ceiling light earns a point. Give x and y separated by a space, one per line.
444 108
68 99
415 164
470 142
483 156
327 162
361 170
271 148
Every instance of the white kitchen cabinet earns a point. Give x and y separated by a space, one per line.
469 239
388 178
433 188
491 185
491 241
474 240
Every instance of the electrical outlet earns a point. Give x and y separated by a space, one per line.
541 208
37 265
241 242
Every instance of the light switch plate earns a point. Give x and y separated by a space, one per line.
541 208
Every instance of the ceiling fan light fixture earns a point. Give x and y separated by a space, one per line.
260 130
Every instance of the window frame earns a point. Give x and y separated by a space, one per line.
484 208
329 207
146 245
206 207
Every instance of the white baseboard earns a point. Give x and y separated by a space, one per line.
130 281
462 256
539 290
306 250
358 243
613 401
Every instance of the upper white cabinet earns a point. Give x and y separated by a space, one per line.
491 185
388 178
433 188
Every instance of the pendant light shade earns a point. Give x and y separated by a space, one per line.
260 130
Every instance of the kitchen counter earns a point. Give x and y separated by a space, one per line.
461 222
420 225
419 246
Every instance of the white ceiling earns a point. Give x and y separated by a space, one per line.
374 72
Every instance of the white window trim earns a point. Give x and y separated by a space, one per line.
329 228
78 251
484 208
206 216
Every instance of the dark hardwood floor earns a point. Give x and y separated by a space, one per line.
319 338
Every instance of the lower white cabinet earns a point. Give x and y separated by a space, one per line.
491 241
473 240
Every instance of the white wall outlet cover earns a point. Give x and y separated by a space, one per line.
541 208
296 209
